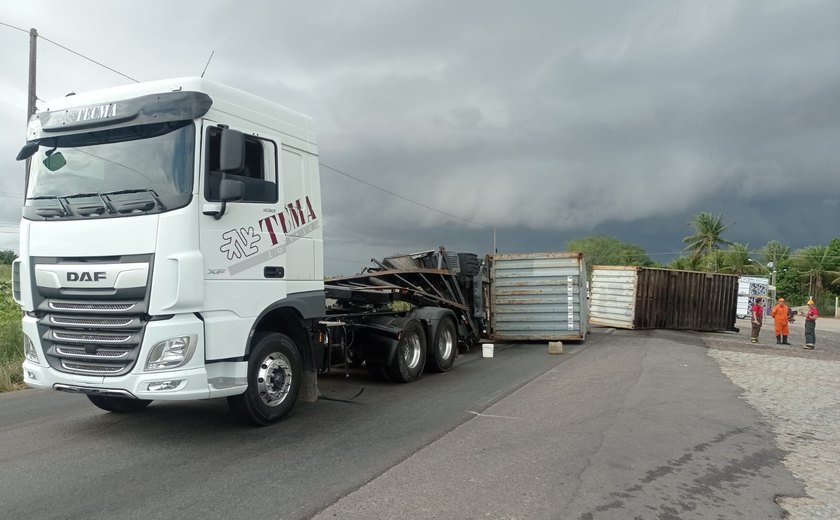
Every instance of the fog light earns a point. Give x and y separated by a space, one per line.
30 375
161 386
171 353
29 350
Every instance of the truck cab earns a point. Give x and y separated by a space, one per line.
171 248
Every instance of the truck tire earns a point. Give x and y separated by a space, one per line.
410 357
444 346
274 376
469 263
118 404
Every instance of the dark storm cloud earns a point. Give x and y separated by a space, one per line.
545 120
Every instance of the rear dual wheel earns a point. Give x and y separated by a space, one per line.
444 346
410 357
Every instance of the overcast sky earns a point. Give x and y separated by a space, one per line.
547 120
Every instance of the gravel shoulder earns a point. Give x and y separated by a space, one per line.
797 392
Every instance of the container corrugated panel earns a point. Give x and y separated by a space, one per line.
613 296
671 299
537 297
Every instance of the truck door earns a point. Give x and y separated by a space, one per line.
241 244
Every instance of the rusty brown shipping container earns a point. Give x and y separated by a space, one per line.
648 298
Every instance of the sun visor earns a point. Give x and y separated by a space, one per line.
153 108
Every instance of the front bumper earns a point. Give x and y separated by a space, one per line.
190 381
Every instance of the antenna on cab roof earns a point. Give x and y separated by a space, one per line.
208 63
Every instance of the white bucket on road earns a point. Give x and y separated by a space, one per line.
487 350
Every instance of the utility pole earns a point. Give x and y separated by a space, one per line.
30 109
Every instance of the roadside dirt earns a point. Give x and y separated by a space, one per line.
828 339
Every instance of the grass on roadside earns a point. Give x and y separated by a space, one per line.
11 335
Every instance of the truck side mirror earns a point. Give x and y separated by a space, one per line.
232 151
229 190
27 151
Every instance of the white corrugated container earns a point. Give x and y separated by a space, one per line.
537 297
613 297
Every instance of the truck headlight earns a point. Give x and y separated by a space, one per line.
30 351
171 353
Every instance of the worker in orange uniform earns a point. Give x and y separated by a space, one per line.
780 319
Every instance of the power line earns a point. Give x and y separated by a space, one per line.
404 198
14 27
72 51
89 59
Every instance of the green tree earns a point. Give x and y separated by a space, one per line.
707 237
775 252
834 252
736 260
817 265
789 282
687 263
606 250
7 256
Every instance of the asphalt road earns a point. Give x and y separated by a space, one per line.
60 457
642 425
632 424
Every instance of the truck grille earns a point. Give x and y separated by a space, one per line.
93 337
95 307
91 331
92 344
89 322
97 369
77 352
89 348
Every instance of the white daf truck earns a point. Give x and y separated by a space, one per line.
171 248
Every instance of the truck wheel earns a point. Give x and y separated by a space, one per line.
444 347
410 356
118 404
274 374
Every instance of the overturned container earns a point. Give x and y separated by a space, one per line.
537 296
647 298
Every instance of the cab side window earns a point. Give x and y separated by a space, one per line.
259 175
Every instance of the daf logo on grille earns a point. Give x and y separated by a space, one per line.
85 276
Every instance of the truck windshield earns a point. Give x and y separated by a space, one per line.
127 170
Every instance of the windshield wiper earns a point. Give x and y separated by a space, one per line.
108 206
151 193
49 212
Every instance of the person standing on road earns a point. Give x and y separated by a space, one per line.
810 326
757 318
780 319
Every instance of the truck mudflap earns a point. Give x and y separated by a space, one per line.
380 337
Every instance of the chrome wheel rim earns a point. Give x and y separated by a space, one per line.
411 351
446 343
274 379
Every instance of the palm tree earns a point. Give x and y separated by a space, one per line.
775 252
736 260
817 263
707 237
687 263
